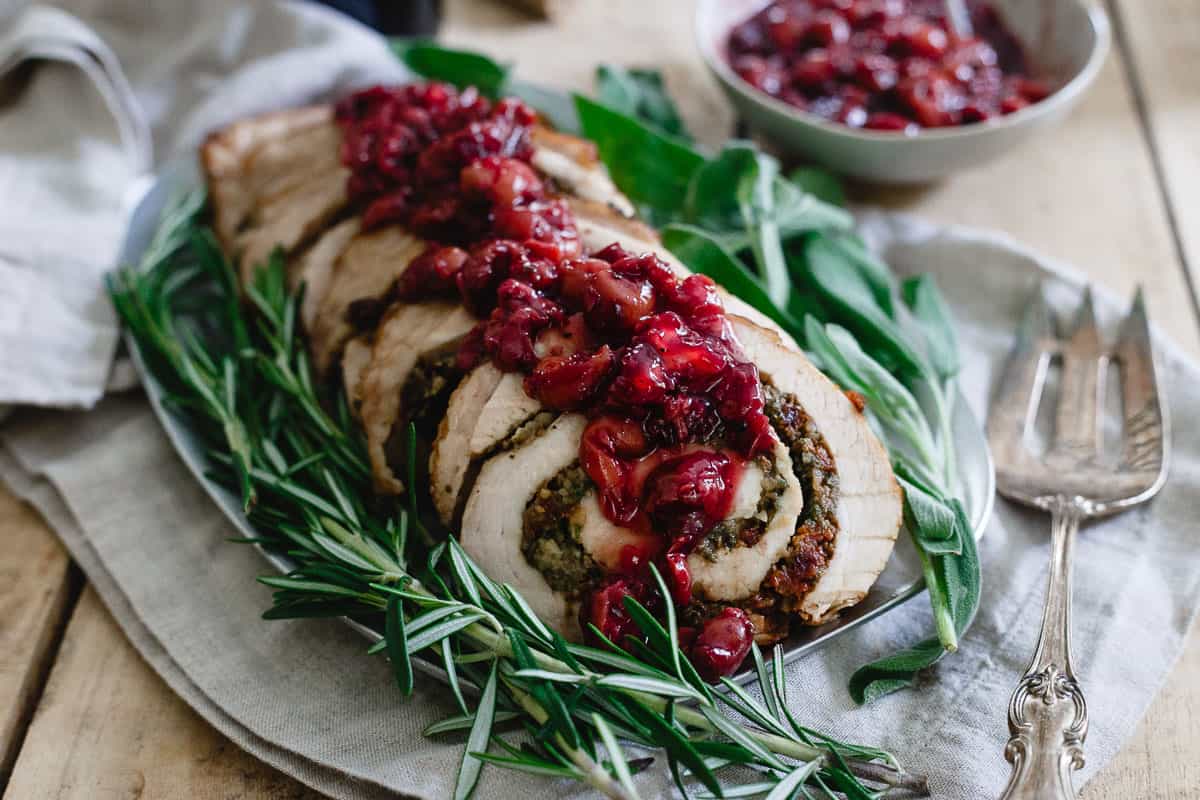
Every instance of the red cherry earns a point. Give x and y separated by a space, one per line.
678 578
722 644
615 304
433 272
827 28
642 378
565 383
876 72
923 39
759 73
1032 89
887 121
604 607
503 181
1012 104
814 69
608 444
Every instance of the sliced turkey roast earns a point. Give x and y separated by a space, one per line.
823 506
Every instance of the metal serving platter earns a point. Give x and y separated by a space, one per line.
900 580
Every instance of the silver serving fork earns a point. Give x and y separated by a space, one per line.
1047 716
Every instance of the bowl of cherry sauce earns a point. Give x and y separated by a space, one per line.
886 91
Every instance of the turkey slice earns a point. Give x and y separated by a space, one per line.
869 504
365 270
493 517
226 155
576 169
484 410
291 219
275 180
355 359
407 332
314 268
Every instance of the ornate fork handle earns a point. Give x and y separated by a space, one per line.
1047 716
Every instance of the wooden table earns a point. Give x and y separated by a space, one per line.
1116 192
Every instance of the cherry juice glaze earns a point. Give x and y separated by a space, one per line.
883 64
649 357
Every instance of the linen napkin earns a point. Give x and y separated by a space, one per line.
303 696
78 129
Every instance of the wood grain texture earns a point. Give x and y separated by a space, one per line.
1162 45
1164 40
108 727
35 589
1087 194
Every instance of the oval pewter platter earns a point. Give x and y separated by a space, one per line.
901 579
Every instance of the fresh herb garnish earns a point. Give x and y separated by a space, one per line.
784 245
640 93
466 68
239 378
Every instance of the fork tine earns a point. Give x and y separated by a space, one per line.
1076 430
1021 381
1145 420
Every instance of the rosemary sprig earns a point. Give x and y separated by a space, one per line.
238 375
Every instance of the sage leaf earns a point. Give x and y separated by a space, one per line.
820 183
459 67
960 579
653 170
854 300
466 68
701 252
712 200
923 298
800 212
756 200
930 520
877 275
640 93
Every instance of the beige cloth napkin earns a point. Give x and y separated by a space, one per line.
88 91
303 696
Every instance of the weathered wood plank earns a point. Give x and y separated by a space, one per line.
1161 41
1165 63
107 726
1085 193
35 590
1162 759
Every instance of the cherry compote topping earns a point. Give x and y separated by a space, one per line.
722 643
649 356
891 65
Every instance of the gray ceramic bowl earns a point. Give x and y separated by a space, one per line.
1067 41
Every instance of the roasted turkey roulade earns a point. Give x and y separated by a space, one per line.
585 408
